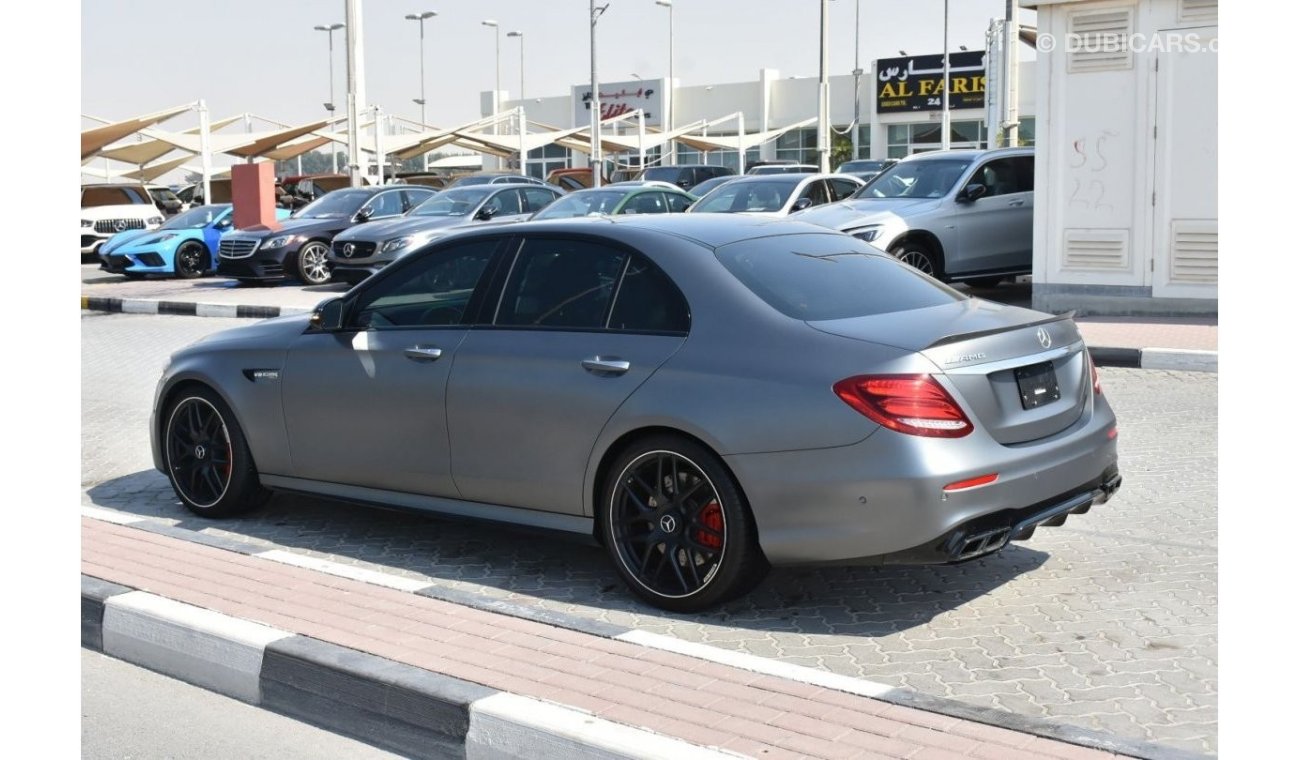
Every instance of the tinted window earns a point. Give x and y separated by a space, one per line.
645 203
648 301
560 283
505 203
332 205
433 291
677 203
816 277
415 197
1003 176
384 204
666 174
537 198
842 188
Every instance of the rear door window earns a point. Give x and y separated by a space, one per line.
817 277
677 203
557 282
648 301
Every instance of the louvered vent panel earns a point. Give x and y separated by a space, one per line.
1198 10
1099 41
1096 250
1194 254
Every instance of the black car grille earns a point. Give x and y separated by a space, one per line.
236 249
88 240
353 249
118 225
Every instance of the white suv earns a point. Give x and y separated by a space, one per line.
109 209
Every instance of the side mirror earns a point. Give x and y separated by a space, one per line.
801 204
486 213
971 193
328 316
362 216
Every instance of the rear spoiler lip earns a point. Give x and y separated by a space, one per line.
982 333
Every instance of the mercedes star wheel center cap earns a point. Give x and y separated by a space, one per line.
668 523
200 451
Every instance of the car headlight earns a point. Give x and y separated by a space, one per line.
397 244
278 242
87 223
154 220
868 234
161 238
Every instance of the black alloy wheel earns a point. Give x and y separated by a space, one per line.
191 260
677 527
207 458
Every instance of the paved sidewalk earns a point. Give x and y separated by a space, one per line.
629 695
1189 343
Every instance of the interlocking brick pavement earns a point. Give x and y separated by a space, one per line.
1108 622
672 694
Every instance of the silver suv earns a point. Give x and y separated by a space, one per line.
959 215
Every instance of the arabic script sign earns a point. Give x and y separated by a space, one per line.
618 98
915 83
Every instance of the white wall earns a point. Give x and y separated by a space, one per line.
1100 240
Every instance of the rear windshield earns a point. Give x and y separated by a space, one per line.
113 196
818 277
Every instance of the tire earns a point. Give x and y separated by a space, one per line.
918 256
687 553
190 260
985 282
312 263
207 458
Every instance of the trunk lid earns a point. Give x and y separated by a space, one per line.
1020 374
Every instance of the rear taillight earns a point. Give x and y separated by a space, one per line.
913 404
1096 379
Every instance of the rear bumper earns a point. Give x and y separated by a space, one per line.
882 500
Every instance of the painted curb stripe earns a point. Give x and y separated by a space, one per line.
203 647
756 664
511 726
399 707
362 574
109 515
1182 359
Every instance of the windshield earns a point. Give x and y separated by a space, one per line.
916 179
336 204
196 218
740 196
457 202
583 203
818 277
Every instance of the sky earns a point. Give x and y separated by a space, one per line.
265 57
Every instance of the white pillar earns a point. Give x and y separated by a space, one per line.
740 141
379 146
823 102
356 90
1012 73
205 150
945 140
640 135
523 132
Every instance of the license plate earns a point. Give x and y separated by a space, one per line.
1037 384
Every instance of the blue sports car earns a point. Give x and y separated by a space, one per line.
186 246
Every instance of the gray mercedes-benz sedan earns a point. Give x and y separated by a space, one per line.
704 395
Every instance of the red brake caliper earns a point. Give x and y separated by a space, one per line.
711 518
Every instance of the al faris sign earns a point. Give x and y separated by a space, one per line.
618 98
915 83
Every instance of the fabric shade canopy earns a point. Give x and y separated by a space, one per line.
154 148
94 140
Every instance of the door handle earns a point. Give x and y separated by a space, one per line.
1016 203
423 353
611 365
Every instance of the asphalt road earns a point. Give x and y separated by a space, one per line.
130 712
1108 622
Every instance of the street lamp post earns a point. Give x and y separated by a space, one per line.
421 100
329 106
946 123
596 159
857 77
823 102
671 147
496 90
520 35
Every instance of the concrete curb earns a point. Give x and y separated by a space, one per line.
894 695
1138 358
390 705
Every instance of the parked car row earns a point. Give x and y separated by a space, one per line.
955 215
